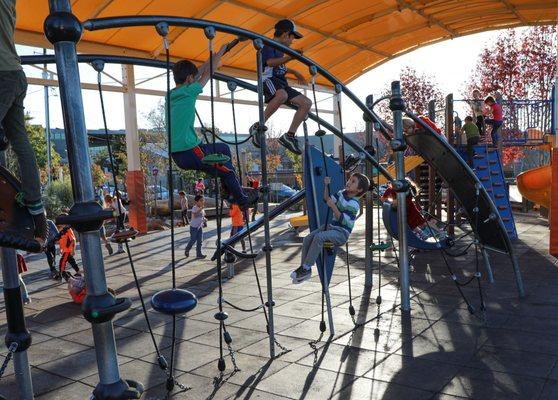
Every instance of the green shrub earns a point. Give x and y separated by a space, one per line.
58 197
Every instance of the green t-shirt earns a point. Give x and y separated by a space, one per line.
9 60
471 130
183 113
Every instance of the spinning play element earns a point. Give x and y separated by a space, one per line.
16 224
389 216
174 301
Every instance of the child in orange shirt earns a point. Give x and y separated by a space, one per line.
67 243
237 219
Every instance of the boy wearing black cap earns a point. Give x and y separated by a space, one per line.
276 88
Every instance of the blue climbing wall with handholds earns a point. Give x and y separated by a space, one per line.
488 168
314 174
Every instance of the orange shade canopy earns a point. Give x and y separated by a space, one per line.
346 37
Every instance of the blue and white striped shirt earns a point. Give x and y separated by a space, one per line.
349 208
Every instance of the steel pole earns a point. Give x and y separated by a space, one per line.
369 216
258 44
64 30
398 146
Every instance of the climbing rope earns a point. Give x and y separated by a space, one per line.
11 350
98 66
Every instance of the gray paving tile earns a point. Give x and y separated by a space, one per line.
344 359
416 372
305 382
550 390
364 388
43 381
252 369
73 391
485 384
513 362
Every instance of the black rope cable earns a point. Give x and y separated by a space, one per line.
324 160
337 89
218 204
476 242
458 284
223 334
160 358
229 142
232 89
170 381
379 298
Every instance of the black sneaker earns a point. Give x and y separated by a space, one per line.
290 142
301 274
54 275
186 254
255 135
201 256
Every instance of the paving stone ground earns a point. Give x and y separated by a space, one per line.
437 351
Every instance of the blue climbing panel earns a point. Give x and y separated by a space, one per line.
488 168
314 174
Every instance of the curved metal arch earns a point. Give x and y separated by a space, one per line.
144 62
152 20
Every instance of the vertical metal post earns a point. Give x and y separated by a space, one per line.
258 44
450 134
554 111
64 30
369 212
47 123
16 317
397 105
486 260
337 123
432 207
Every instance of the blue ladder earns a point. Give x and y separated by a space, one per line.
488 168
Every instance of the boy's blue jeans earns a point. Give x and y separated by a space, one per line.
495 133
313 243
13 87
196 236
192 159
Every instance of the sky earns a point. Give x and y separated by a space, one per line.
450 63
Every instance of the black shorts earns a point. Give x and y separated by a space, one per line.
272 85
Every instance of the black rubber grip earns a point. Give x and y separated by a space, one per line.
18 242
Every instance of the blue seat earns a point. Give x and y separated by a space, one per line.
174 301
389 216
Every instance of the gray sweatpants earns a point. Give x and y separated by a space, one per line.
313 243
13 87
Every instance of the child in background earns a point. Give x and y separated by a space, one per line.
196 227
200 187
50 249
345 207
237 223
111 203
276 88
473 136
67 243
184 207
417 223
496 121
477 106
21 269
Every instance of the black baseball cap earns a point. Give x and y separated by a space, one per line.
286 25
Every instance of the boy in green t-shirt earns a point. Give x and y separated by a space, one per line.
187 149
472 132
